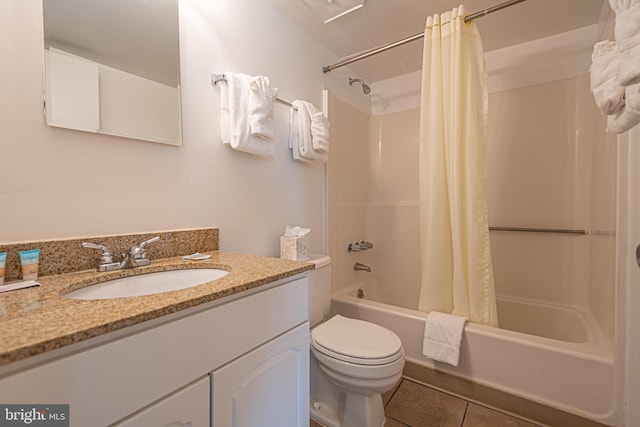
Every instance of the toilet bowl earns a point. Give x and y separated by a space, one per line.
361 360
352 361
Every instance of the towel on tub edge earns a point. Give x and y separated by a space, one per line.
442 337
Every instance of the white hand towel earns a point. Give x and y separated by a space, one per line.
320 132
607 92
305 109
225 115
629 114
234 115
294 138
442 337
627 31
261 107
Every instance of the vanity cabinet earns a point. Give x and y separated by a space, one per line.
262 388
247 353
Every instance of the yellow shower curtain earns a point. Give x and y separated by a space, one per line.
457 275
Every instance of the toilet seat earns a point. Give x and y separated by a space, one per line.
356 341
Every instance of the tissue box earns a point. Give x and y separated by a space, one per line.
294 248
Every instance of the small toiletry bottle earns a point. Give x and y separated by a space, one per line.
29 261
3 260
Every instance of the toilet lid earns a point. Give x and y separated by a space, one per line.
356 340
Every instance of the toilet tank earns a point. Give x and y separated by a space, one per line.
319 288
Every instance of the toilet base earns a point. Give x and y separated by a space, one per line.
354 410
332 406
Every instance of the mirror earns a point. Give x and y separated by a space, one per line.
113 67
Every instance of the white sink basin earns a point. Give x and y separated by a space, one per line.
147 284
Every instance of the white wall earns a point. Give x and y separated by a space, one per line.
59 183
549 59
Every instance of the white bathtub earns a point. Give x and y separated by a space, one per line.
573 372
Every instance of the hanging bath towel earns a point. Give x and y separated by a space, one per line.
235 117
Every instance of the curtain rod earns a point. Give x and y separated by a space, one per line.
374 51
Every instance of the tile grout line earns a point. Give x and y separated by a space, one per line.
394 392
466 408
396 421
475 402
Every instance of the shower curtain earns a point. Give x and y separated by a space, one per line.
457 275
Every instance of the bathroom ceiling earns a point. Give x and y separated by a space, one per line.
384 21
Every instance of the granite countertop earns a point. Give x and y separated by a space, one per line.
37 320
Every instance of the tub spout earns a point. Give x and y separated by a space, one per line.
362 267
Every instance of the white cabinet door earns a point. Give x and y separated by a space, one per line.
268 387
187 407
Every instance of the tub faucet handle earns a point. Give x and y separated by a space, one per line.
366 245
354 247
359 246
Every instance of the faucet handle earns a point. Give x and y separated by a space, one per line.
138 254
106 257
150 241
354 247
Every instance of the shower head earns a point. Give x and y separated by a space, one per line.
365 88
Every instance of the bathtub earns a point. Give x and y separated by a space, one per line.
558 360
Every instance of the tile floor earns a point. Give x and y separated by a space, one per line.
411 404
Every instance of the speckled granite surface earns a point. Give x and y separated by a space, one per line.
66 256
37 320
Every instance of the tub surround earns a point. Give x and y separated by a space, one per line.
37 320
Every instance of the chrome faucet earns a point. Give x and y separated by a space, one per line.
362 267
135 257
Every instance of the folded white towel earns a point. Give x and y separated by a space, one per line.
304 113
294 138
234 117
607 92
442 337
320 132
627 31
261 97
225 115
629 114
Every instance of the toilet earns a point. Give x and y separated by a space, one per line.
352 361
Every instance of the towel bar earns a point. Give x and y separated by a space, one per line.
217 78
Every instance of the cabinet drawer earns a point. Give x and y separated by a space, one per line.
188 407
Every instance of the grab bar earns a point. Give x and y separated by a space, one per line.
540 230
